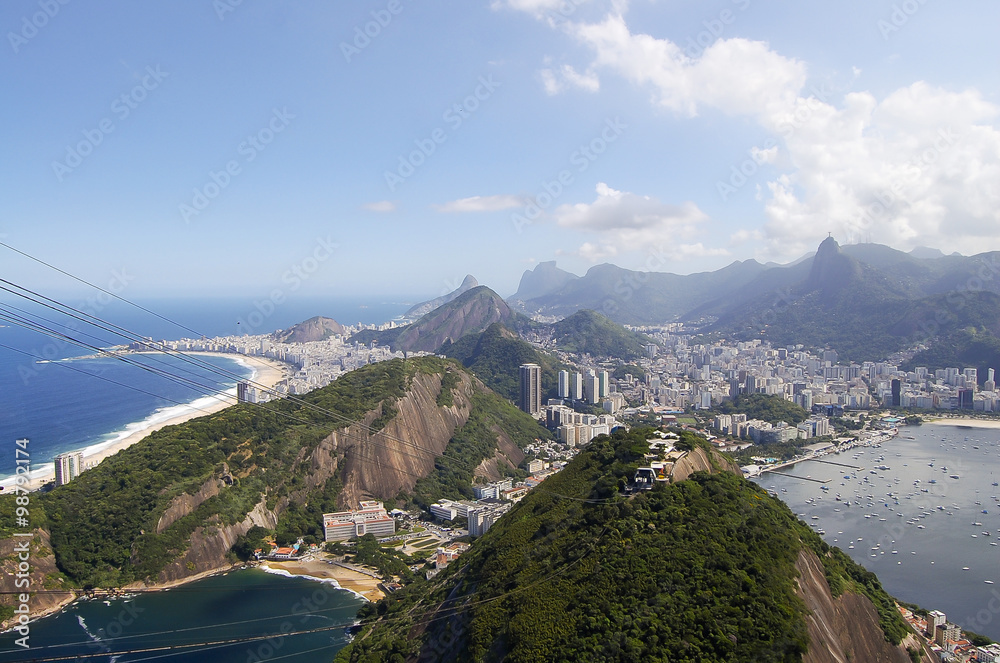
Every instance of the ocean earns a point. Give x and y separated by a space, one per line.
223 610
928 524
59 406
60 409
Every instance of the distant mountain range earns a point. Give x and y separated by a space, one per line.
424 308
865 300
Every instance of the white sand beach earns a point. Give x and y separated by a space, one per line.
965 421
267 373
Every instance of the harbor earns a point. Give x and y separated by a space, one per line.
922 510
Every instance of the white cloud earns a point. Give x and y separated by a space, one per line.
482 204
734 75
381 206
558 80
919 166
624 222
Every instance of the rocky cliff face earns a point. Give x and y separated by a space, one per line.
699 460
375 466
42 574
382 464
845 629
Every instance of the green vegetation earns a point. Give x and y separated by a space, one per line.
629 369
104 524
473 443
389 563
966 347
764 407
494 357
701 570
449 380
589 332
247 543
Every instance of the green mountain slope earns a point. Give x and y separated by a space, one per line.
173 503
590 332
705 569
861 310
470 313
494 357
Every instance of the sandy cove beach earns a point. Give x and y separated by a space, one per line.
357 582
965 421
268 373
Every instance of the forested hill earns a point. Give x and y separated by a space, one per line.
174 504
495 355
711 568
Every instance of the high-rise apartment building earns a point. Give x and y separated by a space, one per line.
531 388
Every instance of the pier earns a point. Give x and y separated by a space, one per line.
830 462
804 478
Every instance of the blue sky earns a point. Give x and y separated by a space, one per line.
242 147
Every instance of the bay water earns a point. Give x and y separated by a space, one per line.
922 511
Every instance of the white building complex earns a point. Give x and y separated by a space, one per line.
371 518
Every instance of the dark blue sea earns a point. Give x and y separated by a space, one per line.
61 406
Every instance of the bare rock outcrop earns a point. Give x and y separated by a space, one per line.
42 573
382 464
700 460
209 544
184 504
841 630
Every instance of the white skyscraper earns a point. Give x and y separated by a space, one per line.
68 466
564 384
604 384
576 387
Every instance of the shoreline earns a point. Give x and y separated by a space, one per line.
266 372
361 585
968 422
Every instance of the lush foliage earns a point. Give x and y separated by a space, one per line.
765 407
103 525
494 357
702 570
966 347
368 552
589 332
